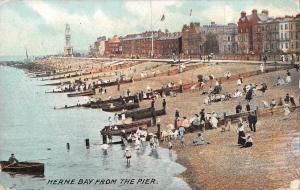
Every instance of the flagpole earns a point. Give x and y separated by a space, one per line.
151 30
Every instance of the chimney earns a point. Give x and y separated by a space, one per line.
243 14
265 12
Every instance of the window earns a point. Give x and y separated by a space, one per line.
285 36
286 26
286 45
281 27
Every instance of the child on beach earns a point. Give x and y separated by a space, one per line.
127 155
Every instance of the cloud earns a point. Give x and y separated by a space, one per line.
44 33
2 2
142 12
18 33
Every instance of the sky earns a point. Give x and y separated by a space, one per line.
39 25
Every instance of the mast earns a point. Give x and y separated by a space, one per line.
151 30
26 55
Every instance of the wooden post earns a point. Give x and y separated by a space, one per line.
68 146
104 139
158 131
87 143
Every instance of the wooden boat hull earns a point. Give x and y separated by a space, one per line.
23 167
127 127
121 107
148 114
134 112
101 104
86 93
113 83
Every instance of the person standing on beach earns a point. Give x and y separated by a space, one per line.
127 155
252 118
164 104
152 103
177 115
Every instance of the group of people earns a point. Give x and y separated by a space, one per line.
244 140
280 81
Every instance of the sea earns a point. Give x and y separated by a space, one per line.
34 131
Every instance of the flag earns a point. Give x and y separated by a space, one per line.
191 12
162 18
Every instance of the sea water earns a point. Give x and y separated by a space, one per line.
34 131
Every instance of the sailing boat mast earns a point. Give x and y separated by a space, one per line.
151 30
27 59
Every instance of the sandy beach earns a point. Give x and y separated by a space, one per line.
273 161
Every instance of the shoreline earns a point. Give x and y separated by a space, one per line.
210 166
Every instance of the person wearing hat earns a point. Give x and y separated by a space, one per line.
127 155
12 159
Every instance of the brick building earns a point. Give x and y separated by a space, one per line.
192 40
165 44
113 46
249 38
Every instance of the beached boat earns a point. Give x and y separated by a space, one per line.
136 111
116 130
148 114
113 83
22 167
66 76
116 107
84 93
101 103
167 91
57 83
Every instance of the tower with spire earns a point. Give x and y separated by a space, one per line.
68 50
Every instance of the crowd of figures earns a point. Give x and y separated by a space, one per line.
203 120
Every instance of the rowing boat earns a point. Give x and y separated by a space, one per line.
119 107
84 93
22 167
117 129
148 114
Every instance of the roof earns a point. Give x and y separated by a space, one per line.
262 17
156 35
